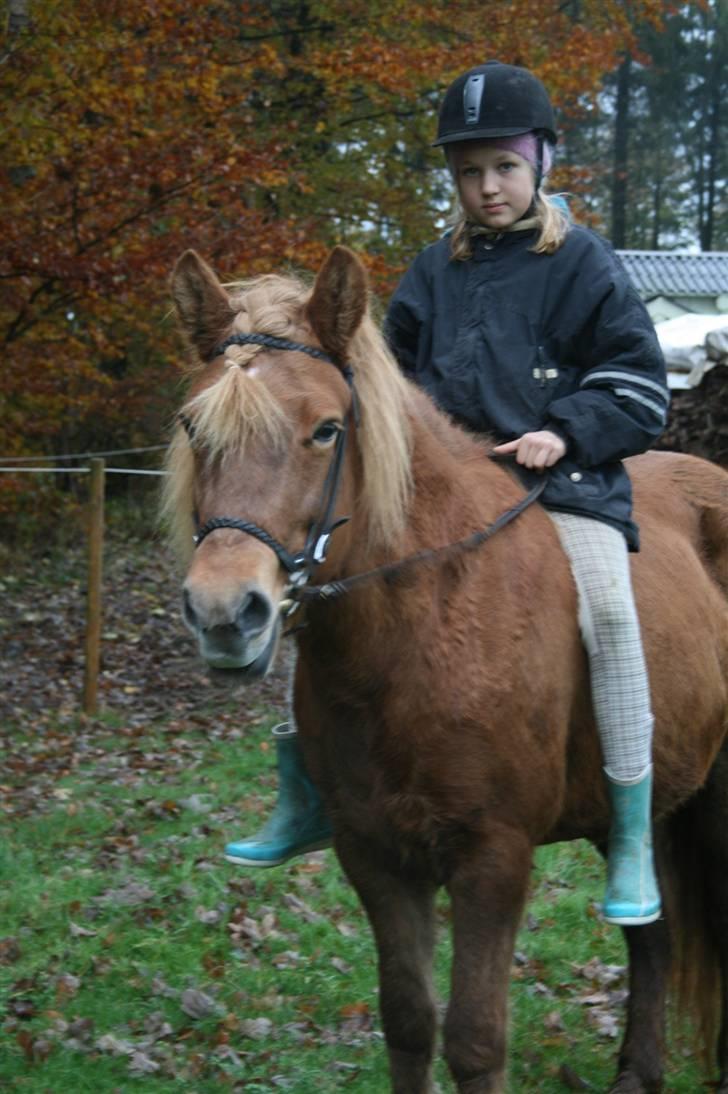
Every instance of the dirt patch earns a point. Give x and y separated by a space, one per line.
149 665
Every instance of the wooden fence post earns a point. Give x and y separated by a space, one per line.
93 599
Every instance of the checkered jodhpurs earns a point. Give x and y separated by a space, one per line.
611 633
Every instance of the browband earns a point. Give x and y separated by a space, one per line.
273 343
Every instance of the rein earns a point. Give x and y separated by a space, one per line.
334 589
300 566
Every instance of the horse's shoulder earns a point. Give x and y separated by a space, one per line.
458 442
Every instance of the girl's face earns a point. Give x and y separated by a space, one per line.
496 187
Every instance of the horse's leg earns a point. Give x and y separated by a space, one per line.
488 890
641 1057
720 897
723 1035
695 867
642 1052
401 912
712 807
699 924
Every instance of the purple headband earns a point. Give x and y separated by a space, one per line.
525 145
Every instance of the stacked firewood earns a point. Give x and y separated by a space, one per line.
698 421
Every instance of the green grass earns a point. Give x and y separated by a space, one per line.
114 902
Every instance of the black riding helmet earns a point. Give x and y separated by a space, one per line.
495 100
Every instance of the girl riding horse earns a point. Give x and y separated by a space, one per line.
525 326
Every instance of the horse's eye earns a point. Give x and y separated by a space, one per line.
326 432
188 426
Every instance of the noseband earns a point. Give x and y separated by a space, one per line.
299 567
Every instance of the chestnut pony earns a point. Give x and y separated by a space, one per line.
443 705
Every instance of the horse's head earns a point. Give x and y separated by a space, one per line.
254 462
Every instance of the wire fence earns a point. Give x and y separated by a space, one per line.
77 471
97 470
82 455
9 464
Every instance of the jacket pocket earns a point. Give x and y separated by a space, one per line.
546 374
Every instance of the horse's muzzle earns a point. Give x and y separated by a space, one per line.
240 636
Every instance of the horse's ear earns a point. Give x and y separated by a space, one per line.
339 301
202 304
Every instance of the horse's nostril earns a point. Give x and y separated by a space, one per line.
245 616
254 614
188 611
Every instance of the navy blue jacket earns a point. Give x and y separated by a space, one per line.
510 341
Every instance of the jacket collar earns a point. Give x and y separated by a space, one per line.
523 225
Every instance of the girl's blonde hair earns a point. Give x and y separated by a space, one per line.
550 216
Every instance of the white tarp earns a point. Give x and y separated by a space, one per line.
692 344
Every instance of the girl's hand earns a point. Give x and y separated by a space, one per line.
535 450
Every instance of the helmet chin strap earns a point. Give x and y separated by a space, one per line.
539 161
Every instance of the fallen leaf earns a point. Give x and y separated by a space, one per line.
22 1008
356 1017
208 916
341 966
256 1028
81 1028
197 803
605 1022
129 895
570 1079
42 1049
553 1022
196 1004
289 959
301 908
10 951
115 1046
80 932
141 1064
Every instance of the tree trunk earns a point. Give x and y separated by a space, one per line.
713 155
656 206
621 155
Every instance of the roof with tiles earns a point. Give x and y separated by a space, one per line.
677 273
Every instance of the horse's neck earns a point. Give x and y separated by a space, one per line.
457 490
457 487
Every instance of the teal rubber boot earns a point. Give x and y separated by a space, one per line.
299 822
632 896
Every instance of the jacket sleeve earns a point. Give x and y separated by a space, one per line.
621 404
407 313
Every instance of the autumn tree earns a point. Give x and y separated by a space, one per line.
258 134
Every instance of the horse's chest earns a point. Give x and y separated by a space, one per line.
397 795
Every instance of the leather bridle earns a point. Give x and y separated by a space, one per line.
299 566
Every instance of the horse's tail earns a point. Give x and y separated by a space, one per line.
693 842
695 889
